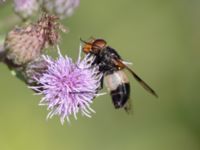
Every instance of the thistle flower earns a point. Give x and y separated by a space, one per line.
26 8
26 43
68 87
61 8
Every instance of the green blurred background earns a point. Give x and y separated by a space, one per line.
161 38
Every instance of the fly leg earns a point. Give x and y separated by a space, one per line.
101 85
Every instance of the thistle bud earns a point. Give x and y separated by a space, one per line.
61 8
2 1
2 53
35 70
24 44
26 8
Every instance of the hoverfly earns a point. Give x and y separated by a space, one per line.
112 66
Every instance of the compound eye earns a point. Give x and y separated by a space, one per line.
99 43
87 48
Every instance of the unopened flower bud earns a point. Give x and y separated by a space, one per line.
35 70
26 8
26 43
61 8
2 53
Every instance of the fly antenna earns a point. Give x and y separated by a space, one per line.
84 41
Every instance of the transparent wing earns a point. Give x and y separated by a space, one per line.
120 64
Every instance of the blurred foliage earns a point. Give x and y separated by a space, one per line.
161 38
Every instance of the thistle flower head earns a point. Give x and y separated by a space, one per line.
26 8
68 87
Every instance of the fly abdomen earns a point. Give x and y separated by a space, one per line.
121 95
119 87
